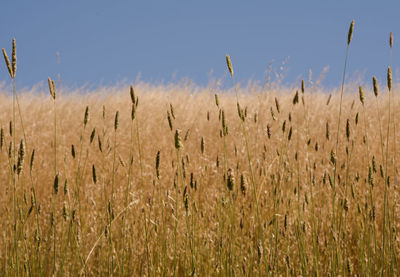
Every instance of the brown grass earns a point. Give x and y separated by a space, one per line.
215 223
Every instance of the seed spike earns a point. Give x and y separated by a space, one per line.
360 90
375 84
391 40
229 64
350 32
389 78
7 60
14 57
132 93
116 121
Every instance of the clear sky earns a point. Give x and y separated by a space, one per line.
104 42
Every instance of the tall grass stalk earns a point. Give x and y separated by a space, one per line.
334 247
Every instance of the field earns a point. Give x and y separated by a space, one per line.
186 181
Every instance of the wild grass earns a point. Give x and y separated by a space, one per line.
187 212
193 181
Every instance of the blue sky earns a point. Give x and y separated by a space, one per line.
105 42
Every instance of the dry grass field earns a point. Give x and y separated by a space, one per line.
176 180
201 209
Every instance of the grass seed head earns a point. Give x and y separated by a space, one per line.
277 105
327 131
178 142
229 64
169 121
8 64
375 85
52 88
133 97
171 108
21 157
32 160
230 180
55 184
92 134
216 100
86 116
1 138
350 34
158 164
94 176
389 78
14 57
116 121
361 93
348 129
391 40
296 98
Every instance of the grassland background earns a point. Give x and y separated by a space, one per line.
188 221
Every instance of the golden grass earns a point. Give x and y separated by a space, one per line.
178 210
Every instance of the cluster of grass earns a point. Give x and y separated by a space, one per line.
162 181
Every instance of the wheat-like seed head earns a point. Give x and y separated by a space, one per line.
21 157
10 127
158 164
86 116
277 105
94 176
360 91
92 134
349 36
116 121
216 100
391 40
229 64
230 179
7 60
55 184
327 131
348 129
389 78
178 142
32 160
302 86
1 138
52 88
14 57
296 98
375 85
169 121
132 93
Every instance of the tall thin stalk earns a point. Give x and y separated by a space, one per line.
349 36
